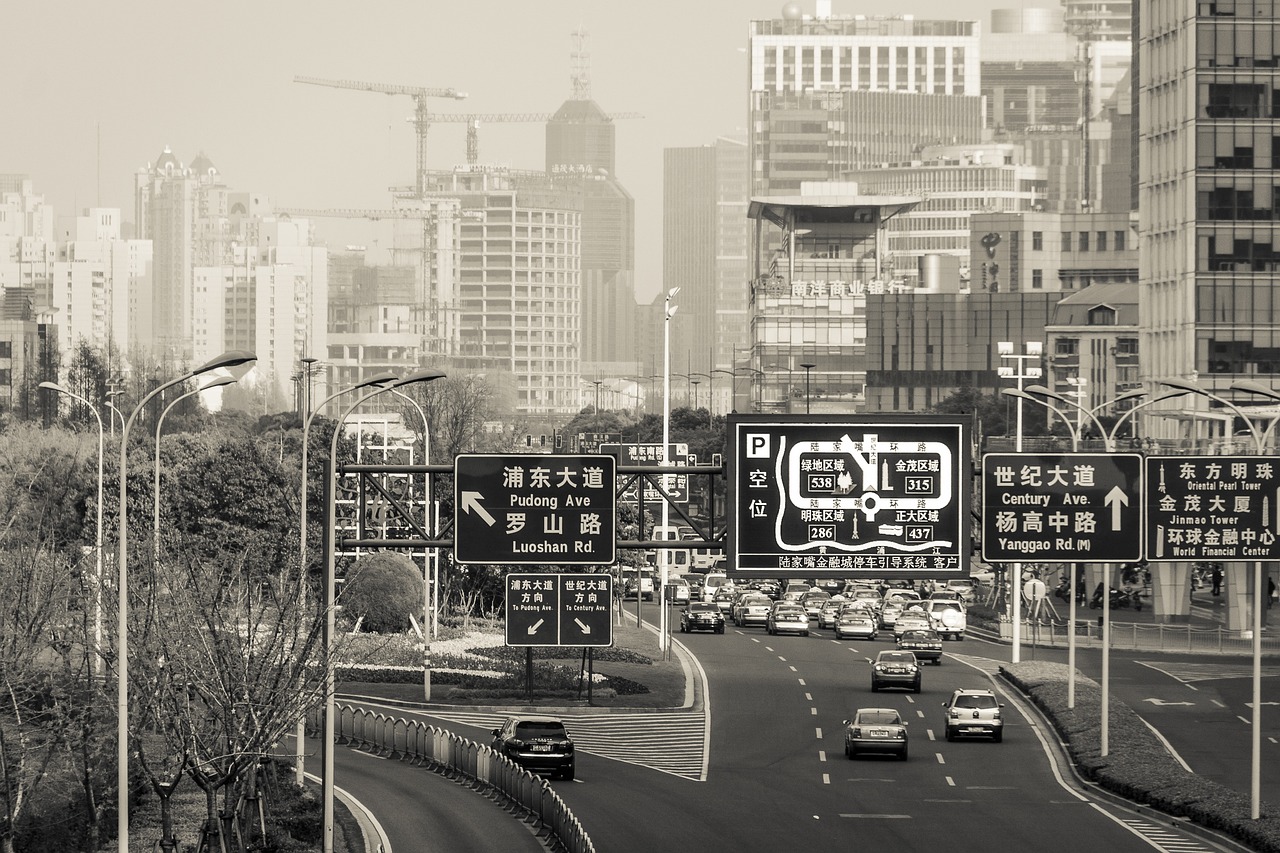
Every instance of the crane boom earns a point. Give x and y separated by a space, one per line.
421 118
473 121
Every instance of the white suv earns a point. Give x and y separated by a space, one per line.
947 617
974 712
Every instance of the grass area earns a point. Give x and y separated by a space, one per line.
635 658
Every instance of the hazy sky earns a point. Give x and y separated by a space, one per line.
93 91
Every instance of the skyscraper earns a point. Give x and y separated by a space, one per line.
832 93
1209 211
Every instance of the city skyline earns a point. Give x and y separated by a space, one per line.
222 85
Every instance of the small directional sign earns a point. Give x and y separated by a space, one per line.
1084 507
533 509
1215 508
548 609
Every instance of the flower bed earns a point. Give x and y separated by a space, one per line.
1142 769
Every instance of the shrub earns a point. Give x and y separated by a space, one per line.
383 589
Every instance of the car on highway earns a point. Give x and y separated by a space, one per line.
787 618
947 617
868 594
711 583
893 668
536 742
964 589
879 730
723 599
911 619
888 614
636 583
813 601
924 643
974 713
678 591
701 616
855 624
829 613
752 609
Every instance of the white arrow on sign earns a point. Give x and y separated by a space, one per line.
533 629
1116 498
1162 703
471 503
586 629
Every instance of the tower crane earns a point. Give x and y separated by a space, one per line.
473 121
421 119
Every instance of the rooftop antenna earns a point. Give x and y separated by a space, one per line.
580 66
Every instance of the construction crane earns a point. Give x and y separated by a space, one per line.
473 121
421 119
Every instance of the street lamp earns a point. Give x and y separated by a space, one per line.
1036 393
663 561
307 362
111 404
1032 351
330 596
97 546
808 366
155 491
234 358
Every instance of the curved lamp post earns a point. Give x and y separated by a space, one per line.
97 547
1260 442
330 596
234 358
155 490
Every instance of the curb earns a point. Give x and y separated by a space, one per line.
373 835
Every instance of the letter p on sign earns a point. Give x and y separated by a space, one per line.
757 445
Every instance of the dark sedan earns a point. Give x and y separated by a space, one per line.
701 616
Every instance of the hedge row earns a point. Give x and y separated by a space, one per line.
1141 770
545 678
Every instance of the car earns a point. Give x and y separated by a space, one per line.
855 623
905 597
895 669
711 583
752 609
637 583
912 619
972 713
678 590
924 643
813 601
830 613
947 617
888 614
724 600
536 742
866 594
875 730
787 618
964 589
701 616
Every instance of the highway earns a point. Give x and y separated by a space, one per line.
776 776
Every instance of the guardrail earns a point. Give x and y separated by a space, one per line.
1144 636
525 794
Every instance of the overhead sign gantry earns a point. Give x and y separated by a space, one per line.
847 497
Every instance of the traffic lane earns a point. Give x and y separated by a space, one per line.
423 811
876 801
1201 705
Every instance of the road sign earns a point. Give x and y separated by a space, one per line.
641 453
1216 508
844 497
1039 507
549 609
530 509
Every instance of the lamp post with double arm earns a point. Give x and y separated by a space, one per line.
234 358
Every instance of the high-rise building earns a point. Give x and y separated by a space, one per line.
705 246
1209 209
519 298
833 93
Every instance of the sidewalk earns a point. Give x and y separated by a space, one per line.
1203 631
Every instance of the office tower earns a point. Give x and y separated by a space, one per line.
704 252
1208 212
518 297
581 146
834 93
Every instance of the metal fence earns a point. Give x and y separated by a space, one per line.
524 794
1144 636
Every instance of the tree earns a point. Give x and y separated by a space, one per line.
382 590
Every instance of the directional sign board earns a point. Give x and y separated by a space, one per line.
639 453
1216 508
846 497
532 509
548 609
1062 507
